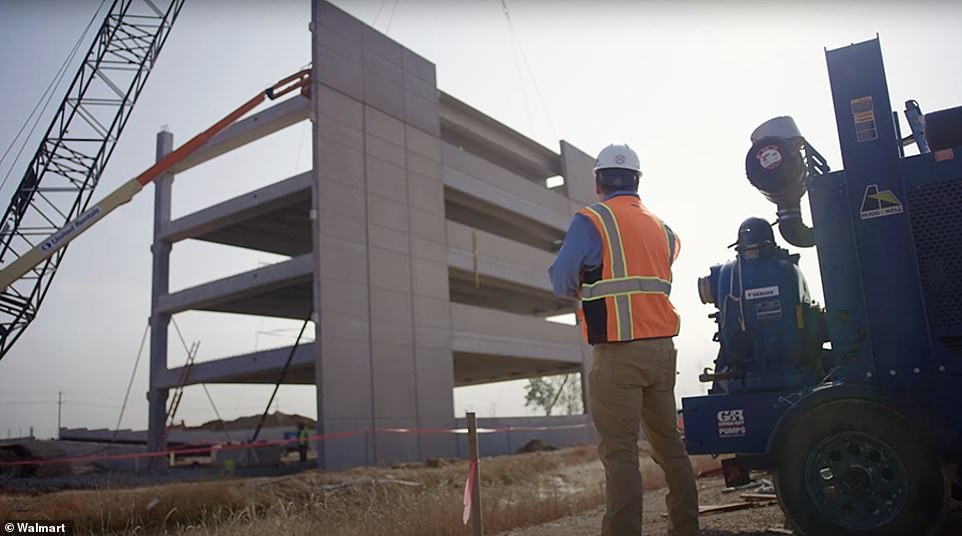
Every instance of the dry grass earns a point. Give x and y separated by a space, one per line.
517 491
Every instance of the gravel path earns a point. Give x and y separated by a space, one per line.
761 520
752 522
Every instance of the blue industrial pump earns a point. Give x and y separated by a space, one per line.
854 407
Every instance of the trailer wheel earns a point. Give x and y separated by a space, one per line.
854 467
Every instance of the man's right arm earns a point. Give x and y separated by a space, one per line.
581 248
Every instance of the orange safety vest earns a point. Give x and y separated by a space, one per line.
626 298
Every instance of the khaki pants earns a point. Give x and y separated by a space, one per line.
632 383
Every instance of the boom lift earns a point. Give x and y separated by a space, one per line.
854 407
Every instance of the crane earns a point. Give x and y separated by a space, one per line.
71 157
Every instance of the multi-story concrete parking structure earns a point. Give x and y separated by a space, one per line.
418 244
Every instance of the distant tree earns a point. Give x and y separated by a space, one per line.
562 392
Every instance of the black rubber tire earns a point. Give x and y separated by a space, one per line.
888 482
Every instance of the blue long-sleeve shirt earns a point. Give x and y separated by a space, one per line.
581 249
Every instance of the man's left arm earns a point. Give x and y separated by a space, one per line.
576 252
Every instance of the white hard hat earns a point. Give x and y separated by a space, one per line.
619 157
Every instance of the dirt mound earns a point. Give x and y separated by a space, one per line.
536 445
276 419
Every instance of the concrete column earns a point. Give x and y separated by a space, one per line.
316 56
156 397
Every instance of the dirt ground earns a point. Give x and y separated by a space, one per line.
751 522
763 519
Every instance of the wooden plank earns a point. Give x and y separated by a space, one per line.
759 496
719 508
729 507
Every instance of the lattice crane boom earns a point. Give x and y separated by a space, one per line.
67 166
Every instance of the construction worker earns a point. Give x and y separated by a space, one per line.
616 258
303 440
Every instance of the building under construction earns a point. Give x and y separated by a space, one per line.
418 244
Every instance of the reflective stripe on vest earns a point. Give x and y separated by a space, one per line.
618 269
620 287
625 285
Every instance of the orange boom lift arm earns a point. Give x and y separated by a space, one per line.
74 228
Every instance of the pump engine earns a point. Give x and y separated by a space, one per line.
769 329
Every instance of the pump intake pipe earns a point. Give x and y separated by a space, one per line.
776 166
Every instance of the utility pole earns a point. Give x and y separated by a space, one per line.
59 406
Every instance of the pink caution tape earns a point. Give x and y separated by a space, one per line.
469 491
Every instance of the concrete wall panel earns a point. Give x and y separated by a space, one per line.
431 279
347 360
382 94
400 446
390 270
391 151
340 198
383 126
376 43
348 450
426 193
392 331
339 107
424 165
335 20
422 113
341 297
429 250
341 163
387 212
577 167
389 239
395 383
438 445
421 69
427 226
387 180
347 228
342 260
433 337
420 88
338 71
432 312
435 370
353 328
422 143
390 305
330 129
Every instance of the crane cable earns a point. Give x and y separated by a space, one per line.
183 342
517 50
45 98
130 383
280 380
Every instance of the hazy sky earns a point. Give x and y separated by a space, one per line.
682 82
